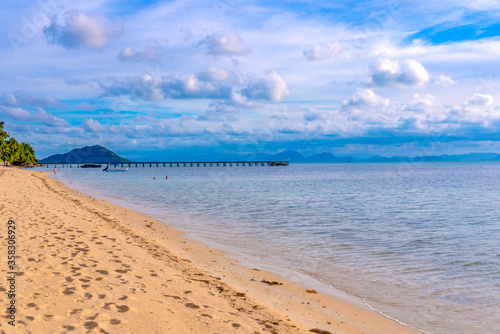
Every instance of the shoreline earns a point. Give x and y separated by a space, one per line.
286 308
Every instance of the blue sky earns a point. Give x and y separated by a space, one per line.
347 77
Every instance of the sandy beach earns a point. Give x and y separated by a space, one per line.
88 266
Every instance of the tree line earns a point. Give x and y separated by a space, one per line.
13 152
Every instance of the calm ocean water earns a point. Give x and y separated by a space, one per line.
418 242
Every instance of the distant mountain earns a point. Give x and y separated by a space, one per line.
328 157
291 155
379 158
425 158
296 157
471 157
88 154
437 158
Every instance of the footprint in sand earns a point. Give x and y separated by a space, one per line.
69 328
123 308
191 305
90 324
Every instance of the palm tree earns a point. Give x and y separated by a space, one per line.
13 152
27 154
3 135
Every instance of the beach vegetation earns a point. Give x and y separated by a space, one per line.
14 152
271 282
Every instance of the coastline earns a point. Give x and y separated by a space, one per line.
75 249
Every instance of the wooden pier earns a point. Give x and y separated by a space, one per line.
175 164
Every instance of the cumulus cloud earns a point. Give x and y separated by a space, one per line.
422 101
366 98
445 81
190 86
150 89
20 99
226 45
475 110
156 128
322 52
313 114
75 29
213 83
385 72
173 128
143 87
91 125
479 100
234 103
19 114
151 53
214 73
269 86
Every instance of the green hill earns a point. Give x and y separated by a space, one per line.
87 154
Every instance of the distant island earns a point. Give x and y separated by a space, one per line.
87 154
14 153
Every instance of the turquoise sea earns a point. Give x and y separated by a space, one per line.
418 242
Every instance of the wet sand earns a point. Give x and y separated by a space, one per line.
88 266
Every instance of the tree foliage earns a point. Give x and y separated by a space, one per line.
13 152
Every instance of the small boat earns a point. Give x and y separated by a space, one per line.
90 166
114 169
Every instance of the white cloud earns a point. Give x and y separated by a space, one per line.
323 52
234 103
41 116
366 98
240 101
385 72
151 53
313 114
475 110
147 88
213 83
483 4
422 101
190 86
479 100
20 99
75 29
445 81
214 73
143 87
270 86
226 45
91 125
